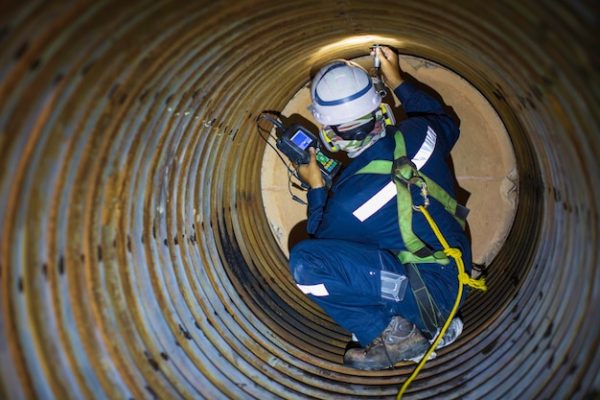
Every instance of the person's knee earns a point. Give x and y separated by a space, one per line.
302 260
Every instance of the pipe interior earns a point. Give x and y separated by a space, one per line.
136 259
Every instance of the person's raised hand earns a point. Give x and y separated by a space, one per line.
390 66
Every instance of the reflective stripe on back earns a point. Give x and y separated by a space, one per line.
376 202
389 191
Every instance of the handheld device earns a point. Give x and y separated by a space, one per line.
294 143
376 60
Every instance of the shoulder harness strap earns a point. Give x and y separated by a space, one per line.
404 174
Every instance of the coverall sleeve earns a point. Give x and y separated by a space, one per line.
419 104
317 198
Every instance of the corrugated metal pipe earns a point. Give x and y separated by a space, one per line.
136 260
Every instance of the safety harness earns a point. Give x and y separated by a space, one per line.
405 174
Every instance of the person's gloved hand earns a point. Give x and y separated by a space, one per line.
310 173
390 66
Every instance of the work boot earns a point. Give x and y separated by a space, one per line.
453 332
400 341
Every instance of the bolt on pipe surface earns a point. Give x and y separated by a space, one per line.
135 257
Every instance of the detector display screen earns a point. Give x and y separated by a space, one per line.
301 139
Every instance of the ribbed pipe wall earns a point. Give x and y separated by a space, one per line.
136 260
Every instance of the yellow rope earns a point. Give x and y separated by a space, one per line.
463 279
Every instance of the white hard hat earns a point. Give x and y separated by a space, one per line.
342 91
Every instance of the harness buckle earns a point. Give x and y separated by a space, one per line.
404 170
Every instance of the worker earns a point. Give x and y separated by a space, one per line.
357 265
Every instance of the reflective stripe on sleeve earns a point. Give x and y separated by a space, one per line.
316 290
426 149
382 197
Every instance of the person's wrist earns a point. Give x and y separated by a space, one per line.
316 182
395 82
316 185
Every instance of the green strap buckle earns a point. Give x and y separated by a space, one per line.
404 170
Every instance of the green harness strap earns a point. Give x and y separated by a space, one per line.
405 174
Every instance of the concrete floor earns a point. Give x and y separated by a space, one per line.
483 161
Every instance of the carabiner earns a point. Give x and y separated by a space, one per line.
420 182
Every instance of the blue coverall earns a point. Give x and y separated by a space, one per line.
340 267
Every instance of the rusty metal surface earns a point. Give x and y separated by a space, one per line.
135 257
